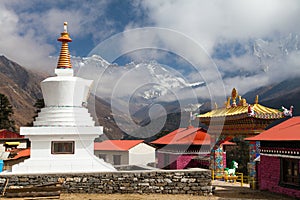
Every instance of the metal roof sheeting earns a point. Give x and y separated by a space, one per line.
288 130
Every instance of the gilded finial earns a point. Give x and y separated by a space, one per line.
256 99
228 103
64 60
240 100
65 27
234 95
244 102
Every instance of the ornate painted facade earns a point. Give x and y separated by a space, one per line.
236 121
280 149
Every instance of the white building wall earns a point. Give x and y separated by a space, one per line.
109 156
43 161
2 148
141 154
22 145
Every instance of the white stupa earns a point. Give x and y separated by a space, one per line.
62 138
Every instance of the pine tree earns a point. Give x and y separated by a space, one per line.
6 112
39 104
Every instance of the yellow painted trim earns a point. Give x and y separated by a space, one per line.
12 143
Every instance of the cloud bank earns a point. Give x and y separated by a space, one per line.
214 24
29 29
251 41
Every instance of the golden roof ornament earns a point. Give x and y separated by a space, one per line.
64 60
256 99
240 100
234 95
244 102
229 111
228 102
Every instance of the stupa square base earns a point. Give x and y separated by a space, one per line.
68 165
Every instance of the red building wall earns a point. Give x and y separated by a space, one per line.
176 161
8 134
183 161
269 176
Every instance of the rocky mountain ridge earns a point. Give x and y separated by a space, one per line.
23 88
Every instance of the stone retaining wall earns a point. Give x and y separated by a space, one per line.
195 181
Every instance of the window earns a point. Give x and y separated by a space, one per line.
62 147
290 172
117 159
102 156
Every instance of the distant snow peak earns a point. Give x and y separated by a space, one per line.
268 52
96 59
196 84
192 107
289 43
161 80
154 92
263 49
92 61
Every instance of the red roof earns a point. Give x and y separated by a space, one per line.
228 143
9 134
20 153
116 145
190 135
288 130
23 153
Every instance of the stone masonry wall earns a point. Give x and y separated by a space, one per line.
196 181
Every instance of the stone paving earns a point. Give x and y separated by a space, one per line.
225 190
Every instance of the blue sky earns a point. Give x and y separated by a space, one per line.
90 22
225 29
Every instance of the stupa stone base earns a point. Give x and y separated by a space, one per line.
43 160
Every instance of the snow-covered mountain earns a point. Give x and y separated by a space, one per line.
134 90
136 87
161 80
270 52
135 84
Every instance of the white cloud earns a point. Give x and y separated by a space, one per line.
191 29
248 72
23 48
209 22
30 29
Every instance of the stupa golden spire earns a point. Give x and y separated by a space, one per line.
64 60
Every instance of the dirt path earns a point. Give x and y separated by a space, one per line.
225 190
